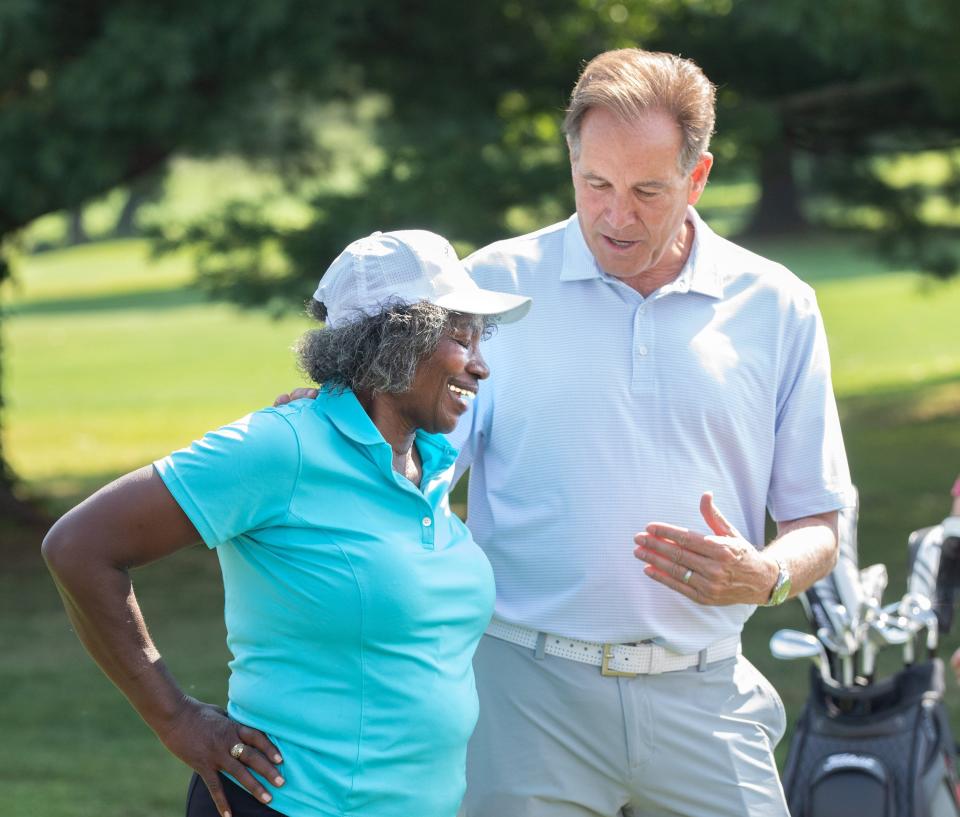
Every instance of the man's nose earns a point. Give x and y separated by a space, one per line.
620 212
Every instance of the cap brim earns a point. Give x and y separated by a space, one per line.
501 306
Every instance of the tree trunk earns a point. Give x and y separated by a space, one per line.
126 224
778 210
139 192
76 232
13 509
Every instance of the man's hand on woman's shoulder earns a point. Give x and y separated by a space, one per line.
296 394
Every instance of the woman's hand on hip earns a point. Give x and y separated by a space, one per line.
207 740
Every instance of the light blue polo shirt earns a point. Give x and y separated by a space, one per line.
606 410
354 602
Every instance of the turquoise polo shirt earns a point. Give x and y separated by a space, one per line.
353 604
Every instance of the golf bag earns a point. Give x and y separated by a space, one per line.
882 750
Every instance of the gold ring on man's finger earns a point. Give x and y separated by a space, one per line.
236 750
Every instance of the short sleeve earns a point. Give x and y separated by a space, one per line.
810 471
236 479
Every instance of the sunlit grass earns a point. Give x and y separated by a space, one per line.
128 364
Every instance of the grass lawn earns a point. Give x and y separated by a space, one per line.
111 361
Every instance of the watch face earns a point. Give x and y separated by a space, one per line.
782 588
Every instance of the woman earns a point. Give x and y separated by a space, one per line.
354 598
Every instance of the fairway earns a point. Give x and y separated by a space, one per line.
127 364
112 360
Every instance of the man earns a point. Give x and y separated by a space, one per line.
659 363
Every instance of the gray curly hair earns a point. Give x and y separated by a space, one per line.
379 353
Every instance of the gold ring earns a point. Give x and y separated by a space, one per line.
237 749
687 576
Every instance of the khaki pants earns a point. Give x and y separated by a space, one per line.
557 739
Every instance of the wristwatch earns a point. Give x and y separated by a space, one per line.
781 588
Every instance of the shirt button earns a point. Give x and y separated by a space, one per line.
642 350
427 521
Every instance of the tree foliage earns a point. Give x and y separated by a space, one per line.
95 94
810 96
831 88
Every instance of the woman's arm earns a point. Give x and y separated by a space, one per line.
132 522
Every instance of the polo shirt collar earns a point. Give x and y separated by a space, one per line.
578 262
702 271
700 274
345 412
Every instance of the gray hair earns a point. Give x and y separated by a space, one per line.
631 82
379 353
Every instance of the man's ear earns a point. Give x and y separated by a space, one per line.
699 176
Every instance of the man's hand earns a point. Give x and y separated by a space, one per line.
720 568
202 736
296 394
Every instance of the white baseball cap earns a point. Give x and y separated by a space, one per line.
406 267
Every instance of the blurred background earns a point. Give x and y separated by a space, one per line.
175 176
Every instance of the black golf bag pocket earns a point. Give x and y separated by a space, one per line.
846 783
883 750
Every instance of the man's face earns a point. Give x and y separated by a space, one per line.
631 195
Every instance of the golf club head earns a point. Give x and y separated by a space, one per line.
789 645
849 591
814 602
873 580
842 629
924 563
948 576
916 610
914 605
889 632
841 648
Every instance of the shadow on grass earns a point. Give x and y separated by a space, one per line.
930 399
148 299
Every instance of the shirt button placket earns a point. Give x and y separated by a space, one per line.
642 374
426 530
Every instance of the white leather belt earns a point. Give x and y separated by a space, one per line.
614 659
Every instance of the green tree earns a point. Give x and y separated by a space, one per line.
97 93
475 96
828 89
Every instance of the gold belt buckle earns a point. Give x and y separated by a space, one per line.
605 665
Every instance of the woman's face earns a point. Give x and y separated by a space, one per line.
446 382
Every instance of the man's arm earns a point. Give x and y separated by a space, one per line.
724 568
